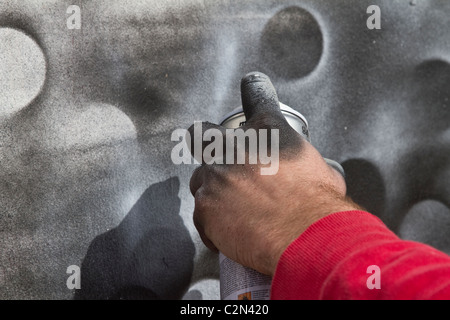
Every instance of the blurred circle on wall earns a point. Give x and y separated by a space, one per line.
291 43
22 70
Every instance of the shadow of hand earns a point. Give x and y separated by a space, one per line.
149 255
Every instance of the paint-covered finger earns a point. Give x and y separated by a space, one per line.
197 179
259 98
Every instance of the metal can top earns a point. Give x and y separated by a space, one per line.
296 120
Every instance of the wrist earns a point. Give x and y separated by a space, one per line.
303 222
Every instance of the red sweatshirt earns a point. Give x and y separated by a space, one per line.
353 255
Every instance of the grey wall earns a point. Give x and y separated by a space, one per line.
86 117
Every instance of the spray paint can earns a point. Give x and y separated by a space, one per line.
236 281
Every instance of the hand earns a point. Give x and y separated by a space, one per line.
252 218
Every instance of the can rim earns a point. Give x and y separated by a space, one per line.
283 107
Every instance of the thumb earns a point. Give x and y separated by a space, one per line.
259 98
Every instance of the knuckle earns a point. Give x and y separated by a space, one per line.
201 200
196 180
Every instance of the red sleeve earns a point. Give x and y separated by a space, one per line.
330 260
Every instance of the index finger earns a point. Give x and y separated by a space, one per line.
197 179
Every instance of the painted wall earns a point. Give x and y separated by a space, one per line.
86 117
